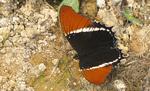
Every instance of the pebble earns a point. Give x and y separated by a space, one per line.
30 89
55 61
22 86
74 83
42 67
119 85
4 32
15 19
4 22
53 37
101 3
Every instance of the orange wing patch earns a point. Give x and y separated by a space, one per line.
70 20
98 75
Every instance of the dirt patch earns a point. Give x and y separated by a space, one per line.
35 56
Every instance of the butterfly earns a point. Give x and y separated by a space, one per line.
94 43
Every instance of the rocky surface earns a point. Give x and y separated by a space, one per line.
35 56
20 28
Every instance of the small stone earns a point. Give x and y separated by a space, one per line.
123 61
4 32
55 61
53 15
101 3
4 22
109 18
22 86
42 67
15 19
131 3
119 85
74 83
52 37
30 89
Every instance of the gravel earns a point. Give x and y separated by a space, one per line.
18 41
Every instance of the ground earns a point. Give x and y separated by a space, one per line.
35 56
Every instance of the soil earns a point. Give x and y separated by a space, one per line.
35 56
